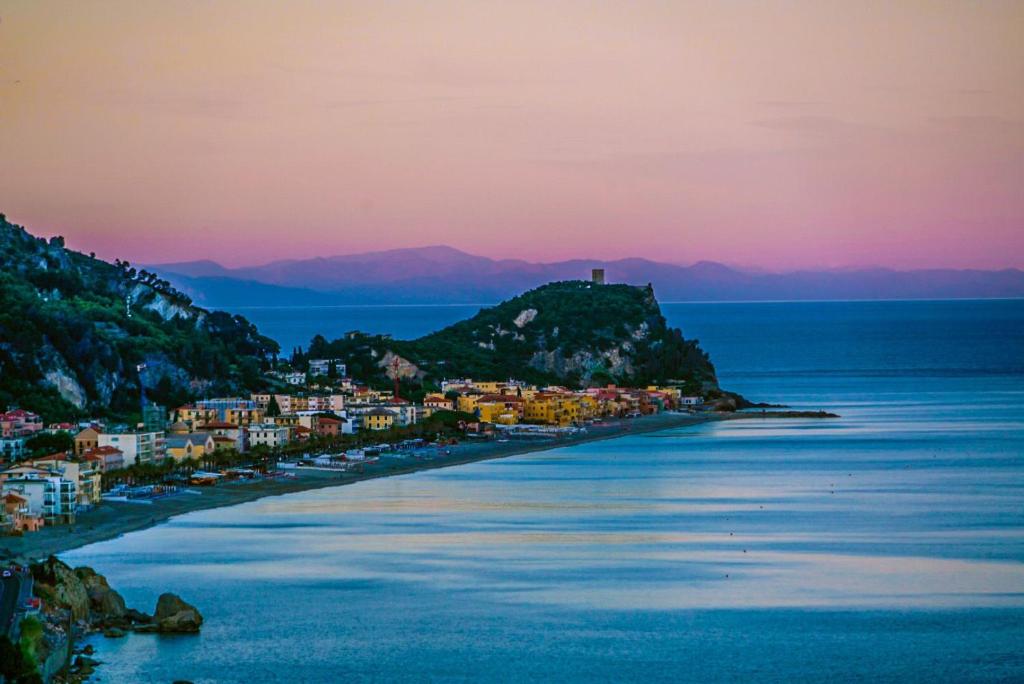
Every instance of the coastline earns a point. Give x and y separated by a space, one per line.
110 519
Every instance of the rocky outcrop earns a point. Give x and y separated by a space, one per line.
396 366
175 616
60 378
61 589
106 605
88 599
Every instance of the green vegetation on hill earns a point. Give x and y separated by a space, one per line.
572 333
75 330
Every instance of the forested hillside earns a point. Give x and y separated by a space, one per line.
79 335
572 333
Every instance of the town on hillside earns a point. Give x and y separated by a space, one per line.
54 472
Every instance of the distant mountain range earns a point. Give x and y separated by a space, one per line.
446 275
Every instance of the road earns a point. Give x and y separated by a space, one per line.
10 590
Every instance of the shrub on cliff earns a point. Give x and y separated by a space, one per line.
15 666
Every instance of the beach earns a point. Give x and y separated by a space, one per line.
112 519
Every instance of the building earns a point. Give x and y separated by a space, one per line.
106 458
436 402
86 475
405 412
323 367
194 445
136 447
552 408
268 435
15 516
379 418
597 276
89 438
221 429
328 427
19 423
154 417
234 410
504 409
12 448
47 494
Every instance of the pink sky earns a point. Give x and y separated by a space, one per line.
772 134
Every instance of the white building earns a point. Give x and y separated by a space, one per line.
268 435
137 447
455 384
331 403
48 495
406 414
321 366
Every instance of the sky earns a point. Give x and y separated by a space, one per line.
766 134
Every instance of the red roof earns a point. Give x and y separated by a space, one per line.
219 425
103 451
60 456
325 419
18 413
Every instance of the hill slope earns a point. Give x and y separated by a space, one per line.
74 331
571 333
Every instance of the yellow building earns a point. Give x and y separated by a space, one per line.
193 445
195 415
589 406
504 410
553 409
243 416
467 402
287 419
85 440
378 419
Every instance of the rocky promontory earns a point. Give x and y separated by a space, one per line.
75 602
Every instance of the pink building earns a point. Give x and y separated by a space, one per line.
19 423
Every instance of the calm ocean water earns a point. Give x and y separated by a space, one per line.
887 545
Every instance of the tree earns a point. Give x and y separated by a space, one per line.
47 443
273 410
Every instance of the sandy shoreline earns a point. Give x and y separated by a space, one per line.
110 520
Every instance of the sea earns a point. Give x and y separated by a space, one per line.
885 545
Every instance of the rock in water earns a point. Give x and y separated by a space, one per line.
173 615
